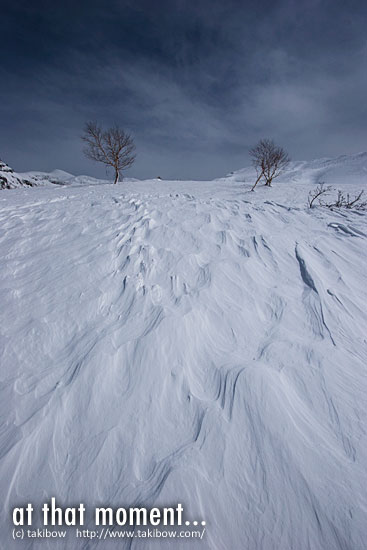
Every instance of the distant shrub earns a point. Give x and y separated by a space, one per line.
342 200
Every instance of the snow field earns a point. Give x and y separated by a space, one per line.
186 342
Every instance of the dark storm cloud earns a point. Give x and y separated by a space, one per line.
195 82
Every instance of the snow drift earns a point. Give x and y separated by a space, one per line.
191 342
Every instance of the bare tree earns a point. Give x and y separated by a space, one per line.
269 160
113 147
316 193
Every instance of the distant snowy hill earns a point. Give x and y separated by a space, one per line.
10 179
346 169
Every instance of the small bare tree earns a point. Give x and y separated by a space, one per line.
269 160
113 147
317 193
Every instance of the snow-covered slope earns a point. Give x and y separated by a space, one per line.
191 342
56 177
346 169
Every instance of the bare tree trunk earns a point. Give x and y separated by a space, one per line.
116 176
257 181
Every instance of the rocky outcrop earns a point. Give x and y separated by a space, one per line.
9 179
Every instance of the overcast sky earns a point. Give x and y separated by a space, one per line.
196 82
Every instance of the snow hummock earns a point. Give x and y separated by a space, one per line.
191 342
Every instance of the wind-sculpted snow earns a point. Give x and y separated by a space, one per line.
193 343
